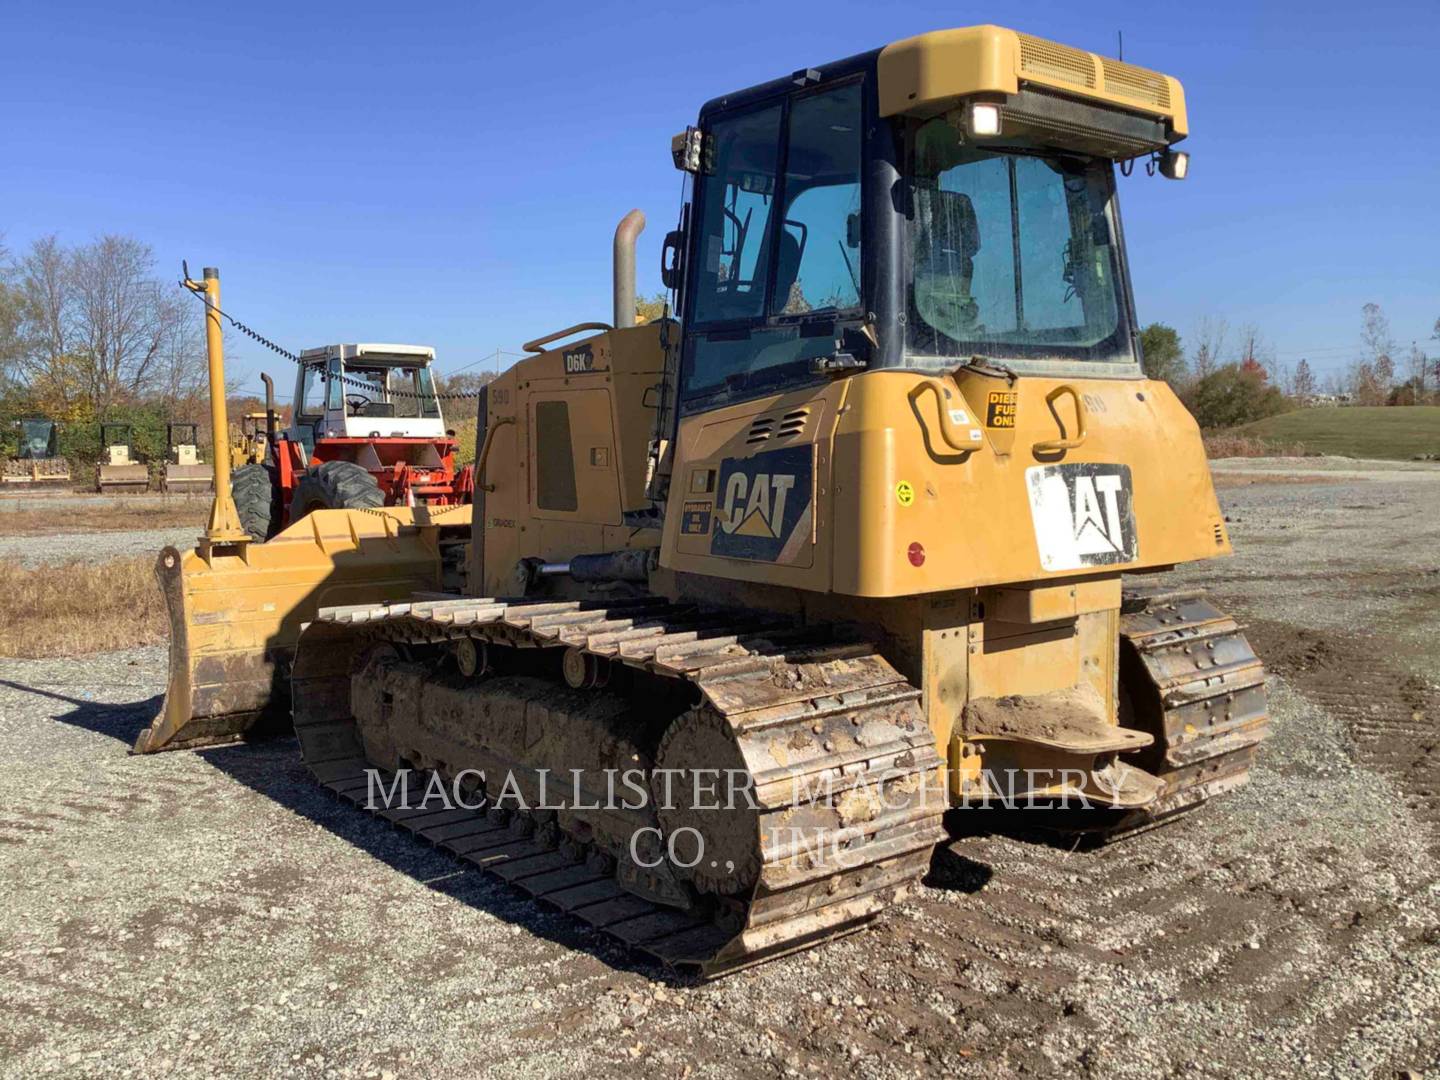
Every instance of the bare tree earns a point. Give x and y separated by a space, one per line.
9 319
96 327
121 324
1303 385
1209 344
1378 346
43 361
1418 366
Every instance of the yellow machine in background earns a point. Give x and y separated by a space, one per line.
118 469
184 471
849 536
251 439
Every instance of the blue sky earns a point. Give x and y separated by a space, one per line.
451 174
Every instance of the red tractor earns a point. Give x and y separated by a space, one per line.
366 431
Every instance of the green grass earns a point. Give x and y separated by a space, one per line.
1399 433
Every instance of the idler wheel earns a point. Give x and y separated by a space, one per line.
704 801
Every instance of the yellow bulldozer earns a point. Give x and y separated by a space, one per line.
756 595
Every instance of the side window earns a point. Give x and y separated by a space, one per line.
337 388
818 267
554 457
738 197
310 402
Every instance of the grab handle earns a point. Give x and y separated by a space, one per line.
538 345
1054 446
960 438
485 452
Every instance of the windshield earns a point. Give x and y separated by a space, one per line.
1012 256
387 390
35 438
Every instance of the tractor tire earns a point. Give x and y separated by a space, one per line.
253 490
335 485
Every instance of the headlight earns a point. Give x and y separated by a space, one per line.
982 119
1174 164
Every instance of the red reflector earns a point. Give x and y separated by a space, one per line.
916 554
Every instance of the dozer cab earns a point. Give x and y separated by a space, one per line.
37 462
184 471
861 538
367 432
119 468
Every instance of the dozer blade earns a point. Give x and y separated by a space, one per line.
235 617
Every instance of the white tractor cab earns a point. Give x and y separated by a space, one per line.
374 391
366 432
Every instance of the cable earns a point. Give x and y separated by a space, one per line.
319 365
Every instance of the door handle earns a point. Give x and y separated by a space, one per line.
1054 446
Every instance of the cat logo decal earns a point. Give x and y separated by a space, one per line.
765 510
1083 515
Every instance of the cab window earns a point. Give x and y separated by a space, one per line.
818 265
337 388
312 397
739 195
777 251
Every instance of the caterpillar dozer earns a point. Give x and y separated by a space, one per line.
841 548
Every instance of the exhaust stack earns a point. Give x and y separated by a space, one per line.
626 234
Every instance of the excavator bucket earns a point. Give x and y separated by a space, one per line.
237 612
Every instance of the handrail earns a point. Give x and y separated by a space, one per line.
485 452
535 346
948 428
1054 446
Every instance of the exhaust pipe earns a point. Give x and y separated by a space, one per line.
626 234
270 423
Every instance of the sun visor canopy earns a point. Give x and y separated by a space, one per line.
1050 95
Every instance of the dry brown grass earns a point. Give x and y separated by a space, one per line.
1226 444
111 516
77 607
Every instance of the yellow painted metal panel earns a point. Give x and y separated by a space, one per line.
929 73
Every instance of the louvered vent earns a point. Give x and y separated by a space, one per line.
792 423
1219 535
1136 83
787 426
1058 63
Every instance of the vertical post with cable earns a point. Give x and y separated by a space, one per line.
224 526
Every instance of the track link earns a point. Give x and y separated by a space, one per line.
831 736
1190 678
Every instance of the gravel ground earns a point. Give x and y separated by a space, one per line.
212 914
94 547
12 504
